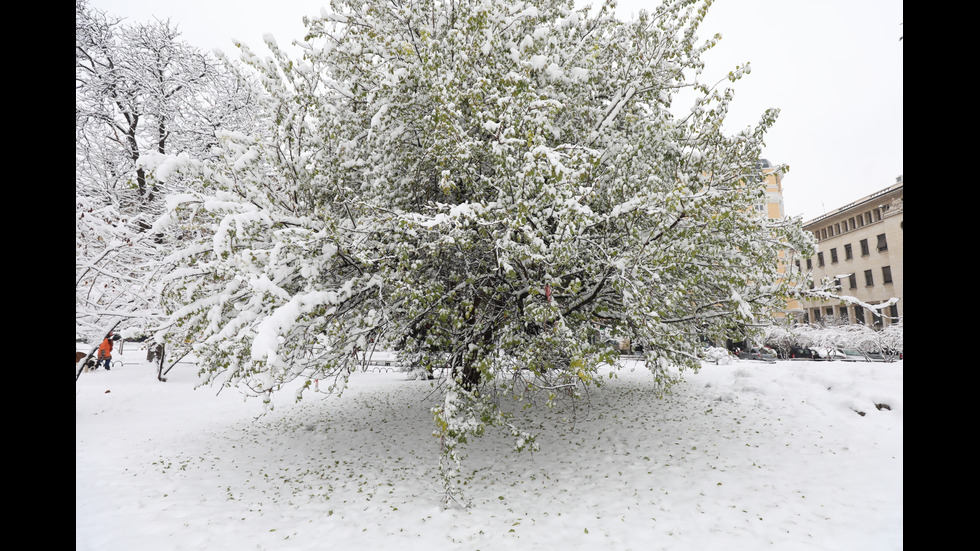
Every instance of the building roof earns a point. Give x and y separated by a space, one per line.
899 184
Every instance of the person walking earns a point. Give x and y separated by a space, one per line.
105 352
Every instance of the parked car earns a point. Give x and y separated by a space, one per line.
849 355
874 356
803 353
758 353
892 355
824 354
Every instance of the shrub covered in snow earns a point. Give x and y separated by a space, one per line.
718 355
888 341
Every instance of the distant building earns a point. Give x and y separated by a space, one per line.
860 245
773 208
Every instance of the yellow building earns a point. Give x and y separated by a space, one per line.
861 246
774 209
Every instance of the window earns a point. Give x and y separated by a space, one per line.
886 274
850 223
853 281
859 315
848 253
820 259
864 248
809 264
842 312
837 228
869 278
882 243
867 217
833 255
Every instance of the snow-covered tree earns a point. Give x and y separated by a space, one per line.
140 94
479 185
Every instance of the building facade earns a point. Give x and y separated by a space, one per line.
861 247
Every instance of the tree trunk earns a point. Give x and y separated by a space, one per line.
160 354
468 375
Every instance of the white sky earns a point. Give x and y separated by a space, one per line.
833 67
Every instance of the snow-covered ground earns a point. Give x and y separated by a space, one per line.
743 456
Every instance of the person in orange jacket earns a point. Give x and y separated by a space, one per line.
105 352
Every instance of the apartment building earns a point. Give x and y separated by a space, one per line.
860 246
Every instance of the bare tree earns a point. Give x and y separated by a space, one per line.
142 97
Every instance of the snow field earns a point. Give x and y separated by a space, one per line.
741 456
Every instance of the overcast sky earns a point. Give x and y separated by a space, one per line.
833 67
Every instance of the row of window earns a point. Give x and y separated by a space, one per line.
869 278
843 313
869 281
851 224
881 246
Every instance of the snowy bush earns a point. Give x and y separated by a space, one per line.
718 355
781 339
830 336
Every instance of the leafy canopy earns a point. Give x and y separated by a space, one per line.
481 186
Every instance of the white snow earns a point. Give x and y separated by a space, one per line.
742 456
579 74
